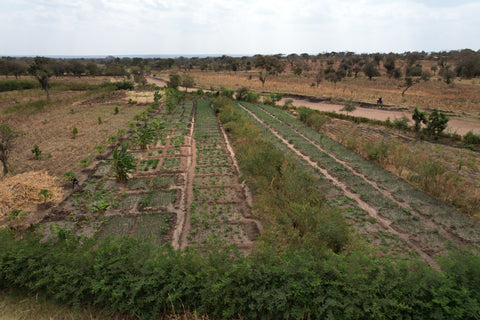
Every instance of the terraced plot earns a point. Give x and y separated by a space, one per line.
420 222
217 209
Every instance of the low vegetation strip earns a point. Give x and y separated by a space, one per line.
373 211
406 222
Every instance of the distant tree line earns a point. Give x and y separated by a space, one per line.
329 66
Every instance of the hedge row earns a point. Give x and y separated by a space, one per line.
126 276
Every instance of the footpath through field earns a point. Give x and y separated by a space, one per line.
422 223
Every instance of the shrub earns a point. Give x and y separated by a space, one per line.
37 152
10 85
124 85
401 124
471 138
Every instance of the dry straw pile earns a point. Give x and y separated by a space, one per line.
21 191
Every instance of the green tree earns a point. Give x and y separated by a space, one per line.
348 106
268 65
188 81
419 117
41 70
437 122
174 82
370 70
7 142
123 163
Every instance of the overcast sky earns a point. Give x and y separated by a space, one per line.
235 27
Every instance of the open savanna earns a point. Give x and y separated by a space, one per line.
461 98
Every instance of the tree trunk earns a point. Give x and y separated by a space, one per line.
5 166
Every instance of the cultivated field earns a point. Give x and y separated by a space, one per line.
215 173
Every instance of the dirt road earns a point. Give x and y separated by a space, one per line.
460 126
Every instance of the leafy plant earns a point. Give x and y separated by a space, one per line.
37 152
144 136
44 195
437 122
123 163
419 117
74 132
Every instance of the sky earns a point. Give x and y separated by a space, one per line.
235 27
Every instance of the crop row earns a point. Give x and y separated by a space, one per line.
402 217
217 207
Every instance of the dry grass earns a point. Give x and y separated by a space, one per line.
51 129
463 96
449 174
21 191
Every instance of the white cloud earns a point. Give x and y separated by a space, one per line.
236 26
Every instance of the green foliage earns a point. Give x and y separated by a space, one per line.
174 82
85 162
272 99
124 85
244 94
100 120
225 92
116 110
68 176
437 122
419 117
471 138
10 85
312 118
349 106
74 132
144 135
37 152
123 163
17 215
129 277
44 195
401 124
157 96
100 149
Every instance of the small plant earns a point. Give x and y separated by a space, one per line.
85 162
99 120
37 152
17 215
74 132
100 149
116 110
111 138
68 176
44 195
130 101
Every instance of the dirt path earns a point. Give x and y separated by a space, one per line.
460 126
372 211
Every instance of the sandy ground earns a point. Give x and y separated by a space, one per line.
460 126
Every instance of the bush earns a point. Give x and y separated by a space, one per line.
244 94
124 85
10 85
471 138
